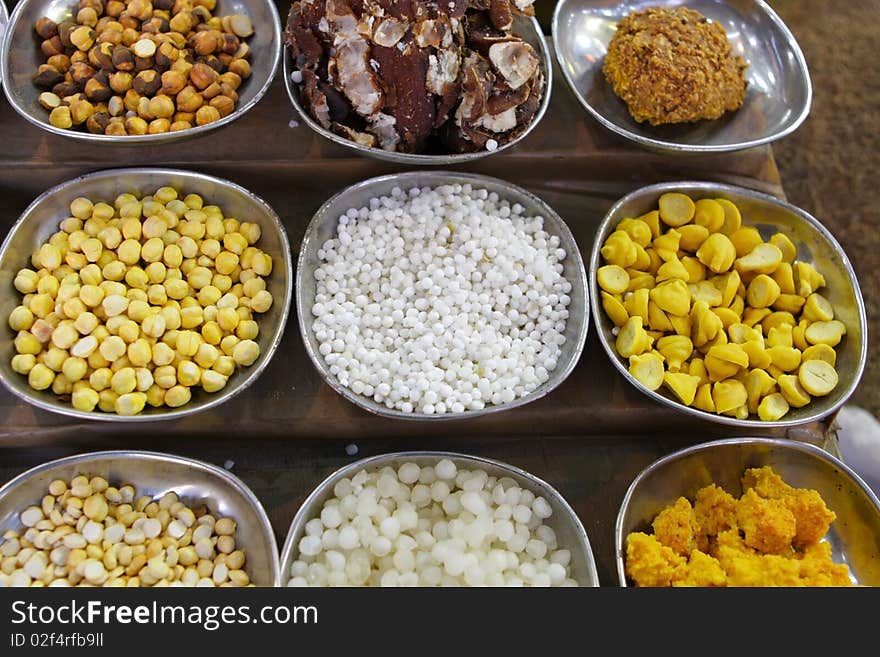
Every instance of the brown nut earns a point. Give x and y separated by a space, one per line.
156 25
97 123
144 48
65 27
207 114
144 63
52 46
97 89
48 100
182 22
129 34
162 107
214 62
223 104
140 9
135 125
241 68
243 52
81 72
240 25
163 5
226 90
79 56
60 117
47 77
60 63
212 90
101 56
143 109
82 37
116 128
97 5
173 82
177 126
87 16
121 81
111 36
166 54
231 44
65 89
45 27
123 58
189 100
116 106
147 83
114 8
131 100
202 75
80 111
232 80
205 42
187 117
159 126
201 13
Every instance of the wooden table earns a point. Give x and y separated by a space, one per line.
588 438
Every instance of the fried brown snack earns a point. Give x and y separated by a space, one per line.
673 65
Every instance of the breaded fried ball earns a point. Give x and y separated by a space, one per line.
673 65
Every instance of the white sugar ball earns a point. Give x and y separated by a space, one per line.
445 469
348 538
541 508
331 517
310 545
390 528
409 473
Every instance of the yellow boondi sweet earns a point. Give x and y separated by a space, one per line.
770 536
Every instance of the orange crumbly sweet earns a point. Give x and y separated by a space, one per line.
673 65
770 536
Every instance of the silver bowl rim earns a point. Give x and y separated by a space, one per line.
228 479
185 410
417 158
675 147
352 468
776 443
304 314
598 312
165 137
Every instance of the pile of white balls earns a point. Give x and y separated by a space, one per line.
430 526
441 300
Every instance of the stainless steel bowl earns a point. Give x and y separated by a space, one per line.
779 91
154 474
4 19
854 536
527 28
323 226
20 56
41 219
815 244
570 533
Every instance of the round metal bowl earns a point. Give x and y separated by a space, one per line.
324 224
41 219
815 244
4 19
526 27
778 95
854 536
151 473
569 530
20 56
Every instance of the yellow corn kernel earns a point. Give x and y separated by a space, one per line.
188 373
745 239
226 262
703 399
130 403
155 396
758 384
224 365
165 376
672 297
139 353
112 347
799 335
676 209
41 305
732 217
818 309
790 303
729 395
706 325
785 358
123 381
807 279
619 249
657 319
84 399
40 377
793 391
636 304
727 316
638 231
247 351
762 292
611 278
671 269
707 292
23 363
762 259
612 305
177 396
717 253
789 250
187 343
647 369
773 407
107 401
74 368
709 214
171 314
676 349
819 352
213 381
632 340
684 386
780 335
250 231
817 377
21 319
777 318
27 343
639 280
758 356
235 242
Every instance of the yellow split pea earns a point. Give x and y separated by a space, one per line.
125 305
726 321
